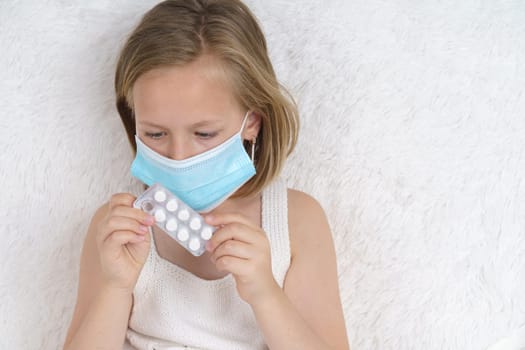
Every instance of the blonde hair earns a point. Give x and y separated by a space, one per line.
176 32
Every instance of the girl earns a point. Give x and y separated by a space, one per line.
194 87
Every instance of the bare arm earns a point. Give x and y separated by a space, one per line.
104 326
308 315
104 297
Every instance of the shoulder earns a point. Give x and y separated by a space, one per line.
302 203
307 223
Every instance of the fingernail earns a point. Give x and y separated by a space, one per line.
143 228
150 220
209 218
141 237
208 246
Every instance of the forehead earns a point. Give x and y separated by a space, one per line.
199 88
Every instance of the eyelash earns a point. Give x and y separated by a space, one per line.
155 135
203 135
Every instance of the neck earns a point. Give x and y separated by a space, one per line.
248 206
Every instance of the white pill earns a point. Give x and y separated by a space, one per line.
160 196
171 225
195 224
172 205
206 233
183 234
195 244
160 215
184 214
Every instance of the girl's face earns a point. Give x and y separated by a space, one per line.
183 111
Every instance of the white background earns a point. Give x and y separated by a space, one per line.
413 121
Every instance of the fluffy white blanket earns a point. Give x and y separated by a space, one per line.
412 139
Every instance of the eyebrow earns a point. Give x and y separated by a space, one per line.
195 125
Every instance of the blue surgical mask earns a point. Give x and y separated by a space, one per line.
203 181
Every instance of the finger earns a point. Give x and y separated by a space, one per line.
119 223
232 248
227 218
134 213
125 199
236 266
235 231
120 238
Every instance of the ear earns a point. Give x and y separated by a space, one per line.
252 127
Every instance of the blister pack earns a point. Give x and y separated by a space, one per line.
176 218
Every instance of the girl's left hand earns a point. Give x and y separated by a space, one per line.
241 248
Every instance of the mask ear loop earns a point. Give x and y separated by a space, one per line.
253 146
244 121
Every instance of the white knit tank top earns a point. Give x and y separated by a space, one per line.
174 309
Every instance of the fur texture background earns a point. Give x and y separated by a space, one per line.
412 139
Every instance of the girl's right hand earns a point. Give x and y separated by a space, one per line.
123 242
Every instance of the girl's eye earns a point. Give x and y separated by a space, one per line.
205 135
155 135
